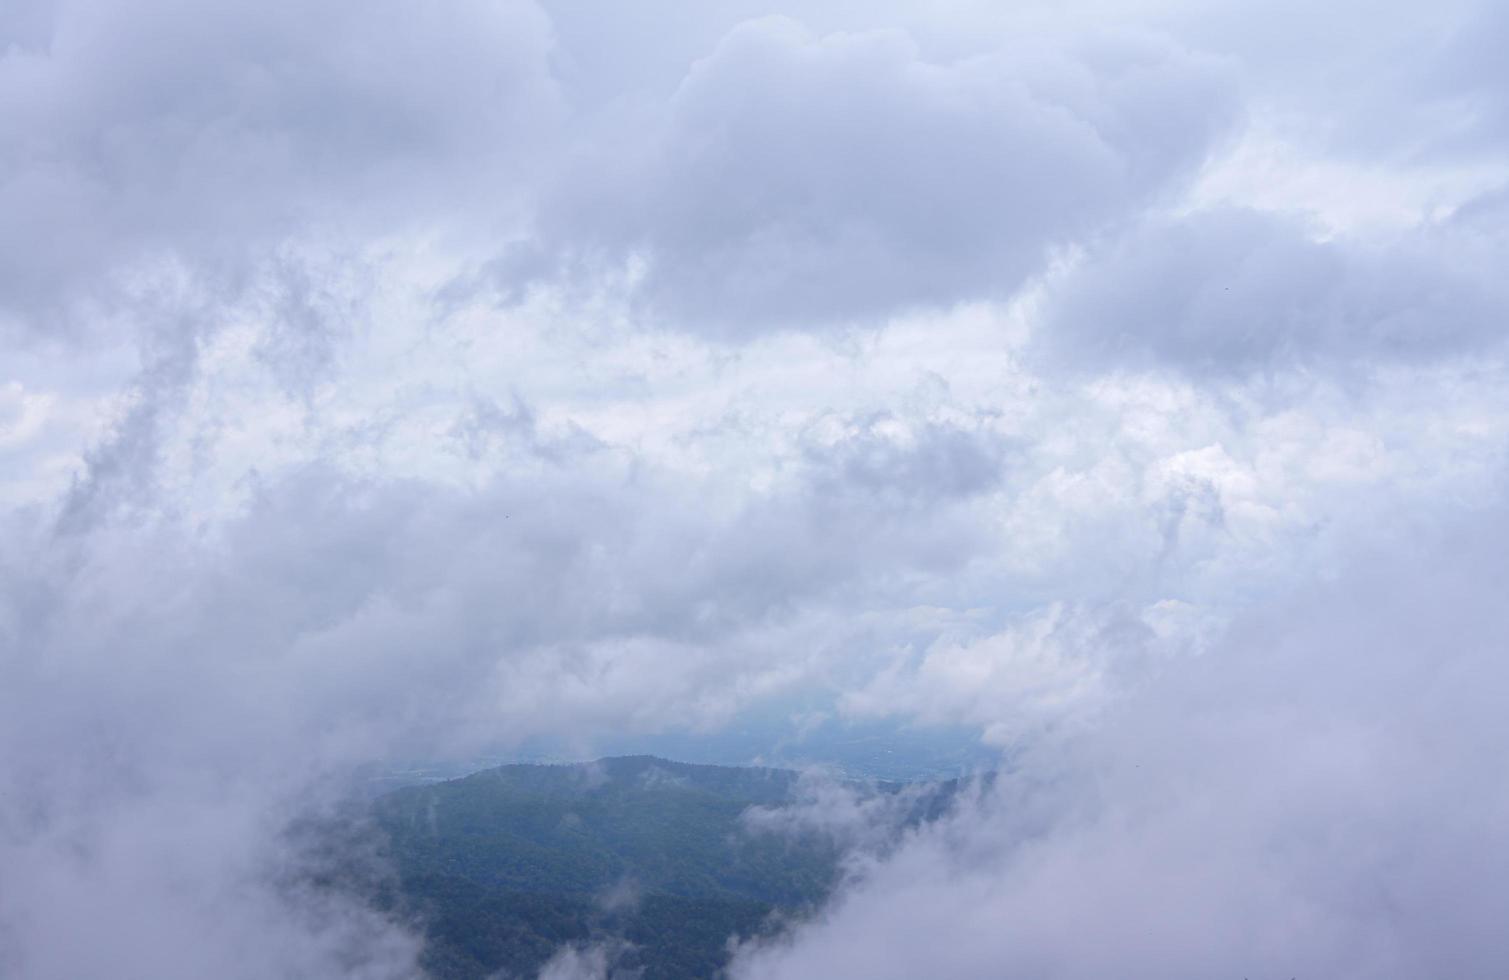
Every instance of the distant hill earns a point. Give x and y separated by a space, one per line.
506 866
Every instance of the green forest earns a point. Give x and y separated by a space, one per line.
653 859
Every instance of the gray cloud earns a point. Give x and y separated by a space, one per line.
1222 291
151 132
882 455
1468 80
797 180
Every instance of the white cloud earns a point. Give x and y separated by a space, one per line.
1311 798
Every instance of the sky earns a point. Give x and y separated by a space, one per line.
1124 382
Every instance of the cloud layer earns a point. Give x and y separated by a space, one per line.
1127 385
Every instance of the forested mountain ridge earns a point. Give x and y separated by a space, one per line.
656 859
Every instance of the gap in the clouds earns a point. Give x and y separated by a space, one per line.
640 865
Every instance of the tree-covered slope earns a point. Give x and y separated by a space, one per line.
506 866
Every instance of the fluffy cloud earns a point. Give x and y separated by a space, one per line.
162 132
795 179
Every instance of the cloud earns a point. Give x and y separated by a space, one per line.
1311 798
863 822
161 132
585 963
1054 668
1238 290
887 456
796 180
1466 82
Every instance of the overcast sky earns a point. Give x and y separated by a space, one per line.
1124 380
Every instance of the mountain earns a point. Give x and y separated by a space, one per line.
656 860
